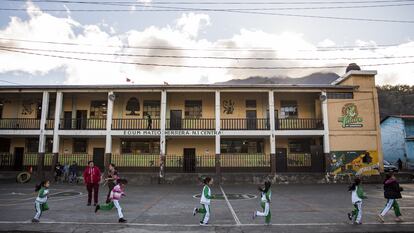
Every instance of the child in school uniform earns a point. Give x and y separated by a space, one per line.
357 196
392 192
205 202
116 194
41 199
266 197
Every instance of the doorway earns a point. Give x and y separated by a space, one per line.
251 119
175 121
99 157
281 159
189 160
67 120
18 158
81 117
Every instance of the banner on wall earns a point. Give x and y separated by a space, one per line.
350 117
354 162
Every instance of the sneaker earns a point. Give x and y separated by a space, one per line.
268 224
97 208
195 211
89 204
254 215
357 223
203 224
380 218
95 204
398 219
35 220
350 217
122 220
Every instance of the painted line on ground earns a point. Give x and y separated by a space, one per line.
230 207
197 225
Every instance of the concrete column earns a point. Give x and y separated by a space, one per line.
272 130
56 139
108 138
162 135
324 103
217 136
42 136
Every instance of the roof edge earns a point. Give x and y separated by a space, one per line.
354 72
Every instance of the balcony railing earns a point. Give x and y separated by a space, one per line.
122 124
83 124
189 164
19 123
191 124
299 124
245 124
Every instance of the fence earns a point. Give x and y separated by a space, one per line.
142 124
191 124
299 124
245 162
137 162
299 162
6 161
19 123
190 164
83 124
245 124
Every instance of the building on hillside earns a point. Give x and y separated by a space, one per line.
330 128
398 138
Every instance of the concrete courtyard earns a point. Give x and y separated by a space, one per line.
168 208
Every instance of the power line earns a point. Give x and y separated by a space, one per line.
217 10
216 49
202 67
208 9
204 57
217 2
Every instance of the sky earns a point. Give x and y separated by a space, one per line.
131 43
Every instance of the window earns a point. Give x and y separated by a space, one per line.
289 109
242 146
140 147
51 110
299 146
152 107
340 95
250 103
98 109
49 145
193 108
32 145
1 109
80 145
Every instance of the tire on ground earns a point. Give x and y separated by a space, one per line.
23 177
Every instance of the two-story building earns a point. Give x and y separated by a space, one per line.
195 128
398 138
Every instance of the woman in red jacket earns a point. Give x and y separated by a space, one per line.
92 177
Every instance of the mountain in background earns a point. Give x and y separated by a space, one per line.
315 78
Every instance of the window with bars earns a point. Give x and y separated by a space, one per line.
193 109
340 95
288 109
299 146
98 109
242 146
152 107
140 146
32 145
80 145
250 103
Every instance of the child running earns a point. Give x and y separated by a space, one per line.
392 192
41 199
205 202
117 192
357 195
266 195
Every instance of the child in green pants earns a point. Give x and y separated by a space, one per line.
266 194
117 192
392 192
205 202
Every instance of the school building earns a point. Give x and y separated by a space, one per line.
333 128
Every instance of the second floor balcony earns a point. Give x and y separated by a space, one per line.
170 124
